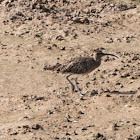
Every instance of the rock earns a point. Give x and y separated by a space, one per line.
114 127
136 58
38 35
81 20
67 133
80 112
14 133
50 112
56 138
37 126
93 93
128 39
100 136
84 128
117 40
125 75
109 40
60 38
48 47
108 95
129 139
63 48
75 133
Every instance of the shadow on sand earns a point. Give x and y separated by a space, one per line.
123 92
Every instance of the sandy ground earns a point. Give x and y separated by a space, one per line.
39 105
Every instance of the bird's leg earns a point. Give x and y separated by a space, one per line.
72 85
79 90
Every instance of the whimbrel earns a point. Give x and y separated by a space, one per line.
79 65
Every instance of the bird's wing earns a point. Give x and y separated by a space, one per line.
77 65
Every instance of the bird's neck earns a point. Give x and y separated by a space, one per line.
98 62
98 59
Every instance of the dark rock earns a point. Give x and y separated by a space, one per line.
84 128
93 93
125 75
81 20
56 138
114 127
37 127
80 112
63 48
98 136
60 38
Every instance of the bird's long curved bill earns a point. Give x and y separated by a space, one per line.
110 54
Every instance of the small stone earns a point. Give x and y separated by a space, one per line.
93 93
125 75
67 133
117 40
108 95
50 112
40 98
56 138
48 47
37 35
135 58
114 127
134 124
109 40
37 126
138 96
54 45
129 139
84 128
100 136
14 133
128 39
75 133
80 112
60 38
63 48
81 20
114 73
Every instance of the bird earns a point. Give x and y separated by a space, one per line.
79 65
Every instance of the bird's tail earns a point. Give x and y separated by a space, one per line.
53 68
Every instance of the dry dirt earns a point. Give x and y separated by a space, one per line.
39 105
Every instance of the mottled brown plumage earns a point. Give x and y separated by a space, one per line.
79 65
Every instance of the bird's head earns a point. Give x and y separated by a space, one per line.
100 54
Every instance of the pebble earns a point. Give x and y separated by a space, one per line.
60 38
109 40
93 93
63 48
84 128
115 127
37 126
99 135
